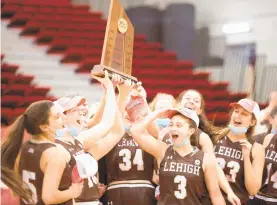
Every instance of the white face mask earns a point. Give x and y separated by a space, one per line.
237 130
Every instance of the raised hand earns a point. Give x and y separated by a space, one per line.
246 147
106 82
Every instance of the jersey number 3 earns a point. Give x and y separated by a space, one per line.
127 163
182 183
27 176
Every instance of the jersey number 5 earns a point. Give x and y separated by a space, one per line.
182 183
26 175
127 164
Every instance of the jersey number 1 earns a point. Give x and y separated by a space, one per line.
26 175
127 164
273 177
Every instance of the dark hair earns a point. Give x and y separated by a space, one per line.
204 124
203 105
9 178
35 115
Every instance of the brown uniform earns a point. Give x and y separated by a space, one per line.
229 157
90 191
182 178
167 139
268 192
31 173
127 161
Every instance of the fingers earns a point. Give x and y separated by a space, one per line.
237 200
232 201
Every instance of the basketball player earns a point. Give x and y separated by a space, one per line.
268 193
193 100
42 165
99 148
185 171
129 168
240 158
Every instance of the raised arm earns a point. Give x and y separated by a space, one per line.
90 136
147 142
55 160
211 179
104 145
99 113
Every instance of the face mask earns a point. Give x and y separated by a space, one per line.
127 128
74 131
61 132
237 130
185 142
163 122
273 131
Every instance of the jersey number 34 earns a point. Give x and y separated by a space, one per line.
127 160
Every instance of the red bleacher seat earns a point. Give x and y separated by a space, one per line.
11 101
7 78
9 68
4 89
39 91
19 89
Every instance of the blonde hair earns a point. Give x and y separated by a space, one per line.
159 96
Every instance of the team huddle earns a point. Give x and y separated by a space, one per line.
164 153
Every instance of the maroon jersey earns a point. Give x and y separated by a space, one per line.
269 187
182 178
229 157
127 161
31 173
90 190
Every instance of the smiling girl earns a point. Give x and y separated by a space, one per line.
185 171
240 158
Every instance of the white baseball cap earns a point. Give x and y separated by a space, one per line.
249 105
191 114
68 103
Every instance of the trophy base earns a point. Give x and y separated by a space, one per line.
98 70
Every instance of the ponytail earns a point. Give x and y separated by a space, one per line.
9 152
11 147
9 178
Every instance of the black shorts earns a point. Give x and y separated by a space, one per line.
257 201
130 194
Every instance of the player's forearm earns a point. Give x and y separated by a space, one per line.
110 108
252 183
99 113
146 123
122 101
217 198
223 182
57 196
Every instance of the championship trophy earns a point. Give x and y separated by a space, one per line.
117 50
